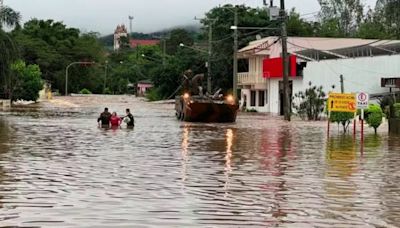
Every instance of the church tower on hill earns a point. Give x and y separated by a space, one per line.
119 33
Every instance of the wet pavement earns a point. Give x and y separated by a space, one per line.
58 169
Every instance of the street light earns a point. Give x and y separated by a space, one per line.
196 49
152 59
66 73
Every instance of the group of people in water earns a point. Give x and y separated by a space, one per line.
112 120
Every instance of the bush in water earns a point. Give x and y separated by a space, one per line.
154 95
374 116
107 91
310 103
27 81
343 118
85 91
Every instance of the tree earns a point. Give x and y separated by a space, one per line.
8 52
53 46
297 26
374 116
388 13
343 118
372 27
27 81
311 102
9 17
176 37
342 16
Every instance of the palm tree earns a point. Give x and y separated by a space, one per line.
9 17
8 50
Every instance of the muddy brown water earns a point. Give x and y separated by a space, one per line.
57 169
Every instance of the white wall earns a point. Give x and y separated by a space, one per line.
360 74
259 108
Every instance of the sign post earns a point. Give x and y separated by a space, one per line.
341 102
362 103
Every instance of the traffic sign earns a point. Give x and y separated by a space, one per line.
362 100
342 102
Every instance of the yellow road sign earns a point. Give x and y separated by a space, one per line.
342 102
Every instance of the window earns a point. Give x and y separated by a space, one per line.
261 98
252 98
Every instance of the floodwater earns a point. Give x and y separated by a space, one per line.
57 169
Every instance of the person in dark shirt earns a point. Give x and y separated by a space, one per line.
104 118
128 119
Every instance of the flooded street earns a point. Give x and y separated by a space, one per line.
58 169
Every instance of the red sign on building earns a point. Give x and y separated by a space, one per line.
273 67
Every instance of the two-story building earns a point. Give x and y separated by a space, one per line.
321 61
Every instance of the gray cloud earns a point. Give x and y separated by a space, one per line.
150 15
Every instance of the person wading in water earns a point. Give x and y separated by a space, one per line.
104 119
115 120
128 119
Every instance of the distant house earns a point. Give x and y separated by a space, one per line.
121 32
135 43
362 62
143 87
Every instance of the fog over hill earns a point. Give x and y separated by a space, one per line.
108 40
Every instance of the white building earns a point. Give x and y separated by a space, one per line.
321 61
119 33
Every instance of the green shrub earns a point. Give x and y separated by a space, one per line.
85 91
396 110
28 81
374 116
251 110
153 95
343 118
310 103
107 91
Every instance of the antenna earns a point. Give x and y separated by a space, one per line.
130 23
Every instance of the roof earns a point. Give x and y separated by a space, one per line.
135 43
145 82
318 48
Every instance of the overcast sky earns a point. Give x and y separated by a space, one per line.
150 15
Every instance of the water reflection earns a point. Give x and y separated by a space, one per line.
185 151
5 134
341 156
228 159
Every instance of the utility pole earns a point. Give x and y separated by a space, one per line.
285 57
210 33
105 76
164 50
341 84
235 50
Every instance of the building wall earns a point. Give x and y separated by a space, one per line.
360 74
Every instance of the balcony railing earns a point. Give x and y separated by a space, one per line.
250 79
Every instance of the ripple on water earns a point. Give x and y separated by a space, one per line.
57 169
